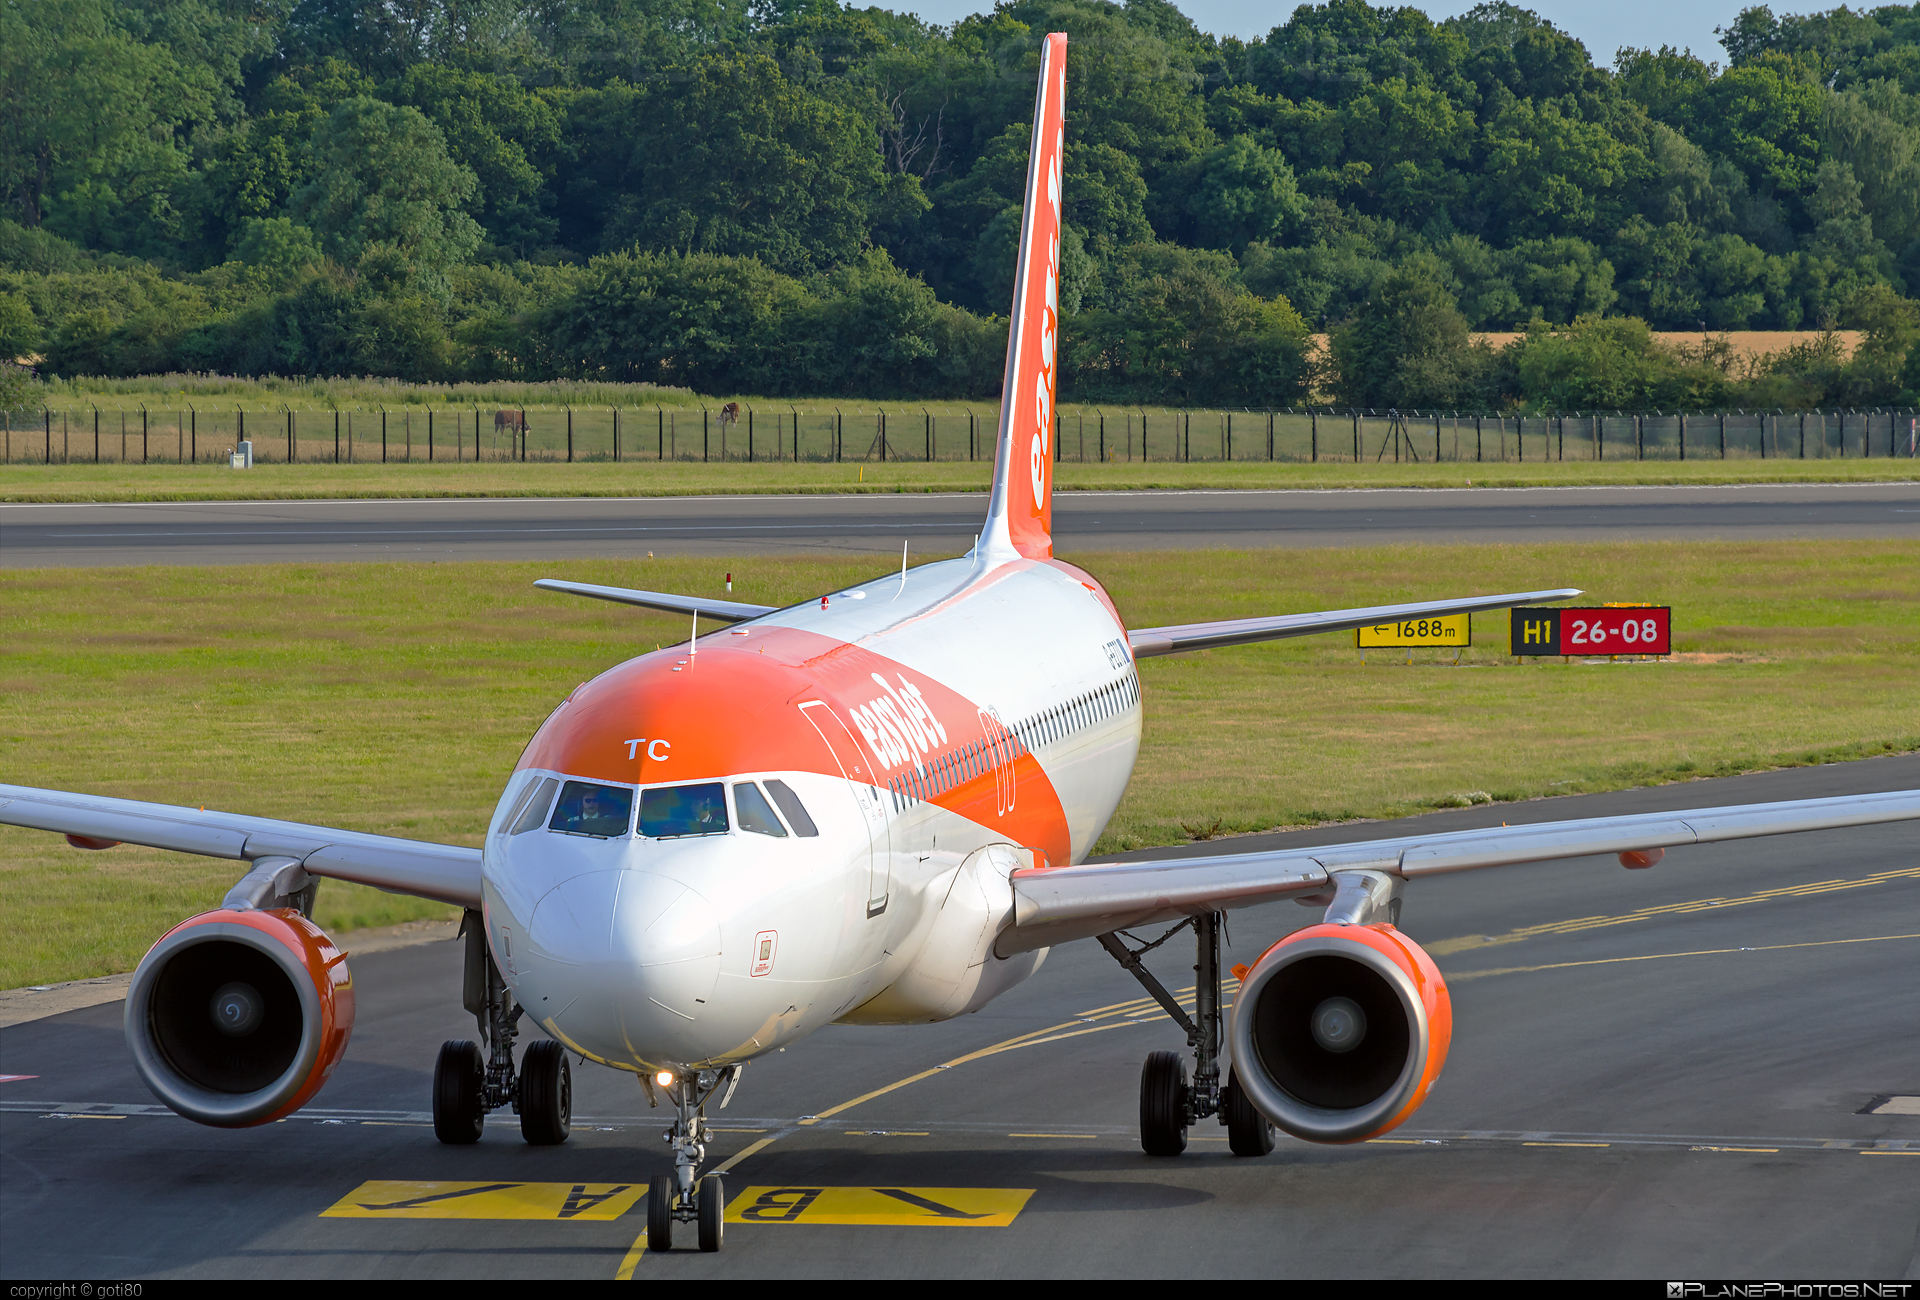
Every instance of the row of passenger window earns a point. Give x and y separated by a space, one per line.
666 812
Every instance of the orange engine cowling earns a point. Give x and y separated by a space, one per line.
1339 1031
237 1018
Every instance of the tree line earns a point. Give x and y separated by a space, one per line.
799 197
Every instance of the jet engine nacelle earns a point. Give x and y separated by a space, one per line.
1339 1031
237 1017
956 969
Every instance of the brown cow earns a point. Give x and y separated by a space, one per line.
515 420
730 414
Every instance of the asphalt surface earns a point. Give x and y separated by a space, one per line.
1654 1072
513 529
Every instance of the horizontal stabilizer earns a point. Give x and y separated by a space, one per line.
720 611
449 873
1150 641
1054 905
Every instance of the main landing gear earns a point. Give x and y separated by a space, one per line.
467 1086
1170 1103
684 1196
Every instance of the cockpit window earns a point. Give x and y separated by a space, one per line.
795 810
533 811
683 810
756 814
589 809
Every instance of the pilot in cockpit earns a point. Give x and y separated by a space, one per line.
709 812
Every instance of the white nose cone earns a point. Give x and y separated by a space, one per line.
623 966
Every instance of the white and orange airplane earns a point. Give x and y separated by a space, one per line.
869 808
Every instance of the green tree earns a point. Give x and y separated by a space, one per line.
1765 121
1408 328
277 250
89 119
1232 195
737 159
507 135
703 321
19 330
382 175
1170 324
1611 364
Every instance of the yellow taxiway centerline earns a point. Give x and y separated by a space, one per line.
1457 978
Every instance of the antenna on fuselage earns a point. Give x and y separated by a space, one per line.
693 642
903 569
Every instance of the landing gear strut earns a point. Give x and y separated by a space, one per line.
684 1196
466 1088
1170 1104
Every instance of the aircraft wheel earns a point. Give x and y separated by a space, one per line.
1163 1105
713 1212
546 1094
1248 1132
660 1195
459 1093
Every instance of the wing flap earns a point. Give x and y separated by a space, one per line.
448 873
1052 905
720 611
1179 637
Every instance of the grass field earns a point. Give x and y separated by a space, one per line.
52 483
395 698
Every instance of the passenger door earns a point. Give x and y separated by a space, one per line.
857 768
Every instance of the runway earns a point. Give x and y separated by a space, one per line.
1664 1072
508 529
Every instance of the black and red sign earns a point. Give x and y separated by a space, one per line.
1609 630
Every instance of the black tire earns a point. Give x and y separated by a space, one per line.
1163 1105
660 1195
459 1093
712 1202
546 1094
1248 1131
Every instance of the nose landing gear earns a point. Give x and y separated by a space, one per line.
684 1196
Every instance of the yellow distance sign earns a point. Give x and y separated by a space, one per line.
388 1199
929 1207
1437 630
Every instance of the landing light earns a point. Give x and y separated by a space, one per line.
664 1078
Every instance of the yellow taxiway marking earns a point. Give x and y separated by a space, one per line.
1085 1137
1754 1150
936 1207
1657 956
385 1199
1446 947
744 1152
631 1260
1871 1152
1566 1144
1118 1015
1085 1023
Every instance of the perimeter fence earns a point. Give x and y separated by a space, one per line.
925 434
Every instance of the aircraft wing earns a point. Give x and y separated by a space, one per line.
721 611
1150 641
448 873
1054 905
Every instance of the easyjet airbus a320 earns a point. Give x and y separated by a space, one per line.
869 808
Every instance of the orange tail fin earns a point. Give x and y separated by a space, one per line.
1020 518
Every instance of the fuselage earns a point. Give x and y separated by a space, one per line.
709 851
